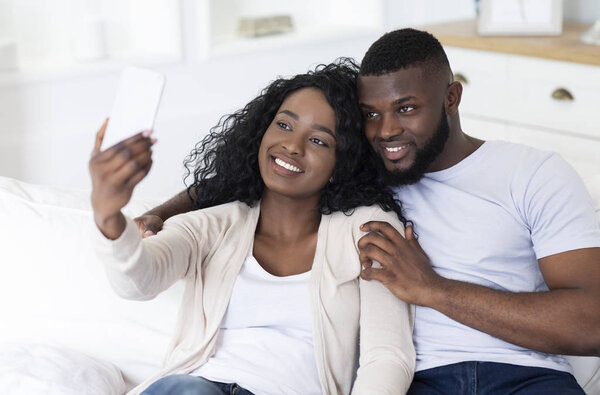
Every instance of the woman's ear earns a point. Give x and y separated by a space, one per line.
453 96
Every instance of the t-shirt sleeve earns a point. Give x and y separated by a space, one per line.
559 210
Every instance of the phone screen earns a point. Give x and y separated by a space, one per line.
135 105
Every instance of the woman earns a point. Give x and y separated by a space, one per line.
273 302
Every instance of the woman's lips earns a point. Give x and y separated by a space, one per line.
284 167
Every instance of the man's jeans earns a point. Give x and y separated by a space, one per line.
184 384
483 378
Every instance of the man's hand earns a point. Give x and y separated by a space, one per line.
149 224
405 269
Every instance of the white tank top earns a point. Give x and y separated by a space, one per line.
265 340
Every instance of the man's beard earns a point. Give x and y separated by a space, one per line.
423 159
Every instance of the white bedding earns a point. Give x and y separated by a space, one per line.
29 369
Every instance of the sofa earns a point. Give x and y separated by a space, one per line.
62 328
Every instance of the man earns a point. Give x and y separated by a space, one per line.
509 273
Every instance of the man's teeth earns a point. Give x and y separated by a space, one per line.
395 149
286 165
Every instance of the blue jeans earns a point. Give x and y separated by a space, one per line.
185 384
483 378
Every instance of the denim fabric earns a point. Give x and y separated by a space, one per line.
183 384
491 378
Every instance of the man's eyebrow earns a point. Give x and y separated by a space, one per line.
395 102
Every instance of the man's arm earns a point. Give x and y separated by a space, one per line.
151 222
563 320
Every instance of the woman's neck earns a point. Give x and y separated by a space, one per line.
287 219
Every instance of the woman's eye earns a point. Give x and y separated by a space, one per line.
370 114
318 141
405 109
284 125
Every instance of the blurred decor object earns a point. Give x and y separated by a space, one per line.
520 18
592 36
8 54
89 41
264 26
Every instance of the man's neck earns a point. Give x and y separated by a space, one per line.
458 147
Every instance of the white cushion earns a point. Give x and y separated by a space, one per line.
55 292
38 369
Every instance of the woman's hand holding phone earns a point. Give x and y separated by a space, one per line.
115 172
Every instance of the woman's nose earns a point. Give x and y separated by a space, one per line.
294 144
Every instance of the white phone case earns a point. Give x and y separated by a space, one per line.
135 105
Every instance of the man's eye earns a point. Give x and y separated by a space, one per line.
284 125
405 109
317 141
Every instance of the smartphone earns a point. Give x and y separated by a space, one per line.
135 105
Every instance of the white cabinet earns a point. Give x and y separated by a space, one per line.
552 105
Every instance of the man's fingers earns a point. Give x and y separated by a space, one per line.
149 224
376 239
374 274
99 137
371 252
385 229
140 224
148 233
411 237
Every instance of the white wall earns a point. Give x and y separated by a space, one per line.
48 118
47 126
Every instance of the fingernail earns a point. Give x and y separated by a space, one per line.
147 133
154 141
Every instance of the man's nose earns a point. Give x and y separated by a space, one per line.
390 127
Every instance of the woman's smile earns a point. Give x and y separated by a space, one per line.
285 166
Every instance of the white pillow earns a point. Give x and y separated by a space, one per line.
41 369
54 291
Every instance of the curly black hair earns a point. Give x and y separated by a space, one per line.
403 48
355 181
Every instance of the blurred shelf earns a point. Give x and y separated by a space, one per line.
308 36
565 47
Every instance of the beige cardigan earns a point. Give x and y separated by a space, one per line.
207 248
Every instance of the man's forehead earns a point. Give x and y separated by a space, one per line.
396 83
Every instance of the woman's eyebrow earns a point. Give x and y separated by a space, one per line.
323 129
314 125
291 114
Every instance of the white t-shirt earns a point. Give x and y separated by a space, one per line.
265 339
487 220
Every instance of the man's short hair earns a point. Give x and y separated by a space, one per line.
404 48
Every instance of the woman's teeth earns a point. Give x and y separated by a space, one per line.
286 165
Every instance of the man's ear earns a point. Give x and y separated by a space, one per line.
453 96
